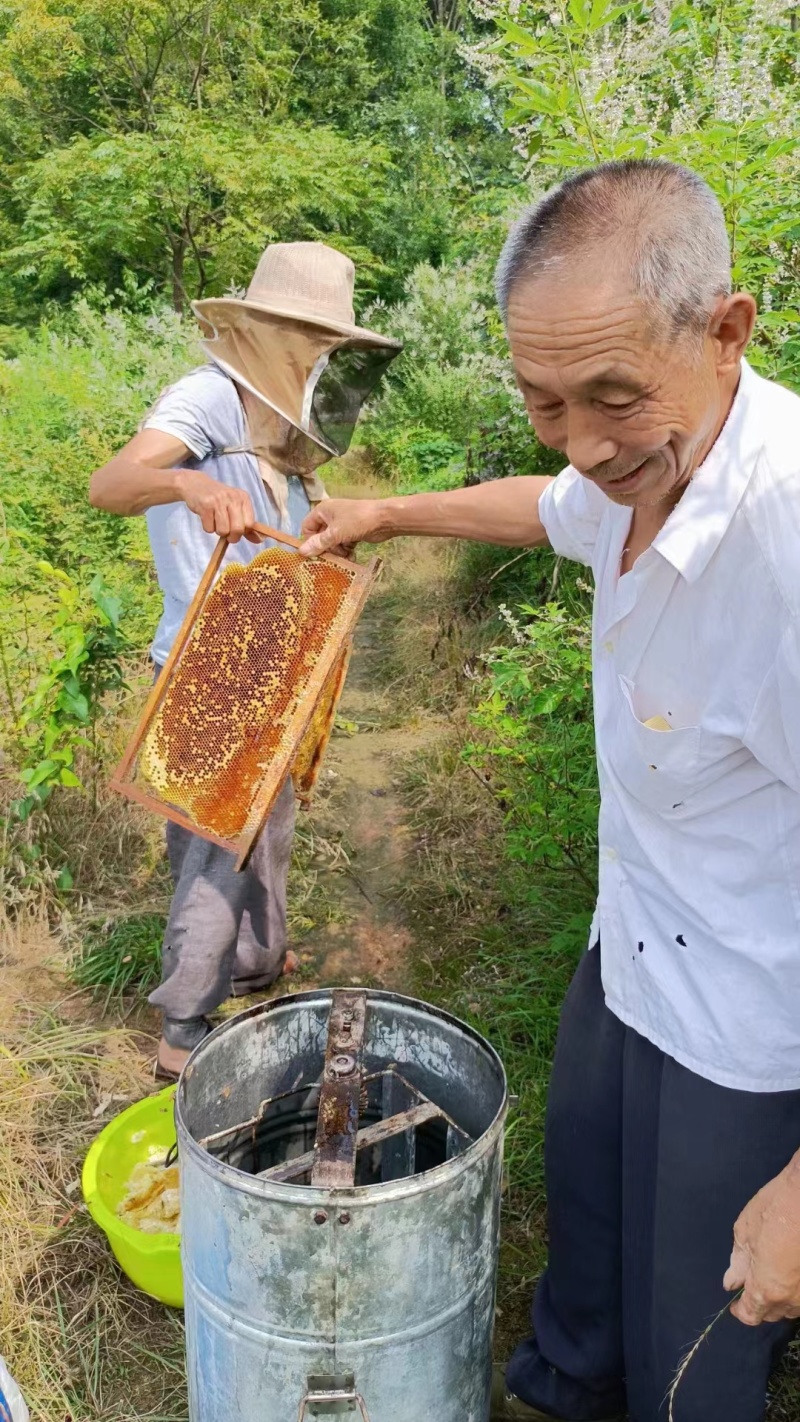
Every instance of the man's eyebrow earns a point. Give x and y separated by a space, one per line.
615 380
612 379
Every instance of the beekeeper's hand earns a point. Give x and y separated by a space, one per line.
220 508
150 470
337 525
765 1262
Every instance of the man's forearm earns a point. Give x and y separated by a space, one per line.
504 511
124 487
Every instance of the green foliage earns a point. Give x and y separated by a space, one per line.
174 140
121 955
712 85
538 745
452 389
417 458
72 393
58 719
211 193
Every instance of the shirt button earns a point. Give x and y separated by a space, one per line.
608 646
610 855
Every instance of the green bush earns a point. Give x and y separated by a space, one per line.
418 459
72 393
537 746
450 411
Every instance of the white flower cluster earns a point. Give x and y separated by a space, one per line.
642 75
523 636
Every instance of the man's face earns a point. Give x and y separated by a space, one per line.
633 411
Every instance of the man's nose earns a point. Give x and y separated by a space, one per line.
588 443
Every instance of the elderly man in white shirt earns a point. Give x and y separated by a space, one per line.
675 1095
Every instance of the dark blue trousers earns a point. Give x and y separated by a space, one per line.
647 1168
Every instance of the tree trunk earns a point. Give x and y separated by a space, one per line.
178 245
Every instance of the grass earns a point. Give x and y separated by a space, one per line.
119 956
76 1334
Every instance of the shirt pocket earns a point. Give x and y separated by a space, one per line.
660 769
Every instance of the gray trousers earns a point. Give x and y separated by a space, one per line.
222 926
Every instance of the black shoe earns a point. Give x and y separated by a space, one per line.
508 1408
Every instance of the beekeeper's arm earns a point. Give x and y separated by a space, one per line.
144 474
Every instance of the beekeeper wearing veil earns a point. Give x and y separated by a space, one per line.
236 442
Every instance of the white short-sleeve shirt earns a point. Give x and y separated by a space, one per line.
699 892
204 411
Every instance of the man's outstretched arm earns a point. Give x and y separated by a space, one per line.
504 511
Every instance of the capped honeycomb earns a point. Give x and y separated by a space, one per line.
231 714
310 752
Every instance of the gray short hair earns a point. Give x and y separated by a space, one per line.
663 218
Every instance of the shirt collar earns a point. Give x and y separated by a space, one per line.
696 526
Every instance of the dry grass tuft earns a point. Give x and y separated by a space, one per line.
72 1328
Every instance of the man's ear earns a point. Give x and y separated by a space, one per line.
731 328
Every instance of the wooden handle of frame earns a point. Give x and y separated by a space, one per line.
292 542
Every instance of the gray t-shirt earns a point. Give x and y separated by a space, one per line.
204 411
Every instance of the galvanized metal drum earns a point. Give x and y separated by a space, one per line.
341 1160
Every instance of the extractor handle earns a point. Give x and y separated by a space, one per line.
323 1393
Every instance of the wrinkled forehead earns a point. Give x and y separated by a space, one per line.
578 325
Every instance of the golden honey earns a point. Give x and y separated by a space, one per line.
238 692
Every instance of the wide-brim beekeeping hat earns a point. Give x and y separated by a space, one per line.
308 281
293 341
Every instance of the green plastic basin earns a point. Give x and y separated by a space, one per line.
151 1261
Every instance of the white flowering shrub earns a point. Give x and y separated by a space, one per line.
712 85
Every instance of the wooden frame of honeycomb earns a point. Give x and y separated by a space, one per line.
248 693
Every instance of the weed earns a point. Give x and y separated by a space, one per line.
118 956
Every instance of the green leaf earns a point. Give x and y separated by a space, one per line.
65 880
68 777
543 98
581 12
40 773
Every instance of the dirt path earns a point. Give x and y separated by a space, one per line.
359 816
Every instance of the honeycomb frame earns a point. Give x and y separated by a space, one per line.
270 747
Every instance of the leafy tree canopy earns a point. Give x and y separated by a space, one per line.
174 140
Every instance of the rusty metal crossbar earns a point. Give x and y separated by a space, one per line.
367 1136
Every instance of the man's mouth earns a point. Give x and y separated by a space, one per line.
625 481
